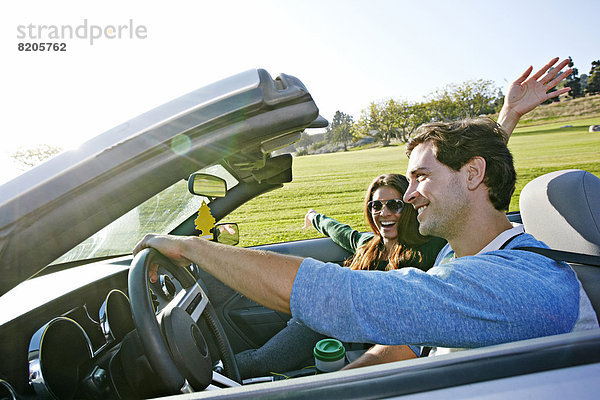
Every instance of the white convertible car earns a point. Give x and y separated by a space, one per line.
80 319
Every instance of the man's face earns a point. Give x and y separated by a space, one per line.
437 192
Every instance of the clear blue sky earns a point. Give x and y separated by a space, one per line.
348 53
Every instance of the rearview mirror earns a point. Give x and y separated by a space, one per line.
227 233
207 185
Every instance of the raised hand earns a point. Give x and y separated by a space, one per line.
526 93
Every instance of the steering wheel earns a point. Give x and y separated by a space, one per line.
176 348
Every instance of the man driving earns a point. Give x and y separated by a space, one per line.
481 290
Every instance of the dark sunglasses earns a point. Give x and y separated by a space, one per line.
394 205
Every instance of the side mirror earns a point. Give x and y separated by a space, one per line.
207 185
227 233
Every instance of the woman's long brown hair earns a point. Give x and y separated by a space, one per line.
404 252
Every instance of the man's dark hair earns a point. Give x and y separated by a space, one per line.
458 142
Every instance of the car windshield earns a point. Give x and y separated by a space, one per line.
160 214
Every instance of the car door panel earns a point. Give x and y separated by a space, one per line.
255 323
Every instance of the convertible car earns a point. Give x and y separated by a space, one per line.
81 318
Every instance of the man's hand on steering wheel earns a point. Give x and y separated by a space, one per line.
168 245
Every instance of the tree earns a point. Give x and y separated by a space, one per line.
583 82
341 129
28 157
388 123
410 117
367 125
475 98
499 102
443 108
593 86
574 81
305 140
466 100
380 121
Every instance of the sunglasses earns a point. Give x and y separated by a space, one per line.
394 205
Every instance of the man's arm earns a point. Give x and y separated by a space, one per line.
381 354
264 277
526 94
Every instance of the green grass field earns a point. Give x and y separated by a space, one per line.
334 184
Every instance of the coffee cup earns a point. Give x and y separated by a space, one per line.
330 355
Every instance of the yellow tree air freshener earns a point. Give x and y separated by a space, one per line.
205 221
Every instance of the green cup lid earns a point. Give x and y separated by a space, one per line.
329 350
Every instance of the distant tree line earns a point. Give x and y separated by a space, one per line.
580 84
397 119
588 84
392 119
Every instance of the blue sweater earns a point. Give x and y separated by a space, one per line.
496 297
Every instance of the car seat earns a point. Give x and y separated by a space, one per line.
562 209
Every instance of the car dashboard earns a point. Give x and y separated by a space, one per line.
62 334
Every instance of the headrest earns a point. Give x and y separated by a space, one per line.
562 209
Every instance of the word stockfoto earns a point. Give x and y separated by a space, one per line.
83 31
